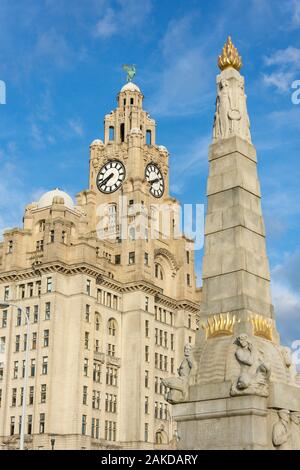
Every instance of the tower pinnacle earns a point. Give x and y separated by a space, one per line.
230 56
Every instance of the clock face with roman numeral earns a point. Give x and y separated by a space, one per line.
111 177
155 179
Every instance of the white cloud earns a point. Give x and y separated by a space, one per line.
286 295
76 126
287 66
183 82
127 14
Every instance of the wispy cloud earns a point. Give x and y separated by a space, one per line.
287 66
126 15
286 295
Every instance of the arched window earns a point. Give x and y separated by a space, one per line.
97 321
112 327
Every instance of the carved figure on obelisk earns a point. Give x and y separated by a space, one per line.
281 435
254 373
295 430
177 386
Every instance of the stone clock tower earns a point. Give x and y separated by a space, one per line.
110 289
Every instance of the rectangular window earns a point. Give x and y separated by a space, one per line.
85 367
86 340
17 348
23 369
21 396
31 395
43 393
1 370
19 317
146 304
30 289
118 259
32 367
147 353
10 247
47 311
146 379
45 365
46 338
147 328
52 236
42 423
146 437
85 395
4 319
29 424
6 293
131 257
40 245
146 259
14 397
25 342
189 321
188 257
22 291
38 286
34 338
146 405
172 365
88 287
16 367
49 284
35 314
12 425
188 279
83 425
172 342
87 313
2 345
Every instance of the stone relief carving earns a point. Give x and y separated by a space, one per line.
254 370
288 362
295 430
231 116
281 435
177 387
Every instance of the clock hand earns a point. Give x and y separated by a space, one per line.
107 179
156 180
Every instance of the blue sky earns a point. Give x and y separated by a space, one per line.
61 62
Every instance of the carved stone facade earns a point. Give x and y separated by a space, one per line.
243 390
109 315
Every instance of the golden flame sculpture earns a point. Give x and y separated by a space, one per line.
229 57
219 325
262 326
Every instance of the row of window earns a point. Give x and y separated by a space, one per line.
31 313
45 341
108 299
161 339
163 316
160 361
160 409
110 430
111 372
159 387
16 429
32 368
17 396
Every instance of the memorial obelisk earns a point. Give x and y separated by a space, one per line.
238 388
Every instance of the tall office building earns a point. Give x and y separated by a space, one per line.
108 284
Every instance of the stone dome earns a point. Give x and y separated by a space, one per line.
130 86
46 199
97 142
